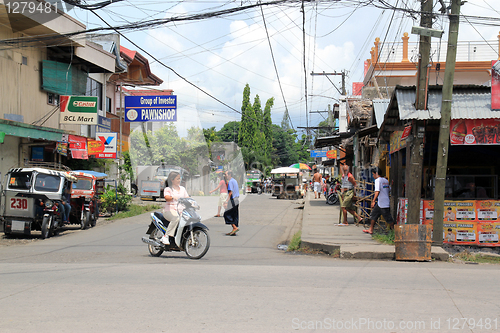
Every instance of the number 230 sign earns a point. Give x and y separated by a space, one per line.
19 203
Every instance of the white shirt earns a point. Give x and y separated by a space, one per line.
382 186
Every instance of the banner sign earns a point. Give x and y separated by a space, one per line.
396 142
95 146
109 142
475 131
318 153
62 148
332 154
150 108
495 85
78 147
78 110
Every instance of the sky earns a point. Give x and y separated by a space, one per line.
221 55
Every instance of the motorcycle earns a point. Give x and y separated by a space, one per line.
191 235
332 197
52 219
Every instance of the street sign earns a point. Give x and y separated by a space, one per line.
78 110
318 153
150 108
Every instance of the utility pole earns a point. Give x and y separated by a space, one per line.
343 92
444 128
416 145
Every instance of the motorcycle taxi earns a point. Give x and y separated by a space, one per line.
32 200
85 197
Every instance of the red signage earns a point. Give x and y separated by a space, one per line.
475 131
406 132
495 85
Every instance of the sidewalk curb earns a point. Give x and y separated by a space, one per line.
317 234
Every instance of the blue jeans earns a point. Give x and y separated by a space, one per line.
66 209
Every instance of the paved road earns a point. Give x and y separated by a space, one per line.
103 280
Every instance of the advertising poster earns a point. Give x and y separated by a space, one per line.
428 212
475 132
466 233
464 210
487 210
487 233
449 232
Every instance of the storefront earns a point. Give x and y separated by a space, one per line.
472 208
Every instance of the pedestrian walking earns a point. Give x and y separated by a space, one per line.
382 206
317 182
347 186
231 205
222 187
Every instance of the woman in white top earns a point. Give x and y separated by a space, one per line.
173 191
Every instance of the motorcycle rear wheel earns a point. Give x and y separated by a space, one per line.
197 246
155 251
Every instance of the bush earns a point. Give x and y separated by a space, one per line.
110 202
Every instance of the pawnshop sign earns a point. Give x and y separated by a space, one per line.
150 108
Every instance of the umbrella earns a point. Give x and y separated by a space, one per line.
300 166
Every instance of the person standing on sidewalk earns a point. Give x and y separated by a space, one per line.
347 186
231 205
222 187
317 182
382 207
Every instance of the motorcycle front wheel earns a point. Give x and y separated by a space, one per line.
197 244
155 251
46 225
85 220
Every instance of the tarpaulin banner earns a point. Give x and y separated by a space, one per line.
78 147
475 131
495 85
62 148
95 147
396 142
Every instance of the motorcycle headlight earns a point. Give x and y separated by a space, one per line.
49 204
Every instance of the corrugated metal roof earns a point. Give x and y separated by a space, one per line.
380 107
468 103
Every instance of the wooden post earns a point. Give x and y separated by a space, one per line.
444 128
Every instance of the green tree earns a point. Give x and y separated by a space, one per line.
245 135
268 129
229 132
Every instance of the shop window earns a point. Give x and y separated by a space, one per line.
471 187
